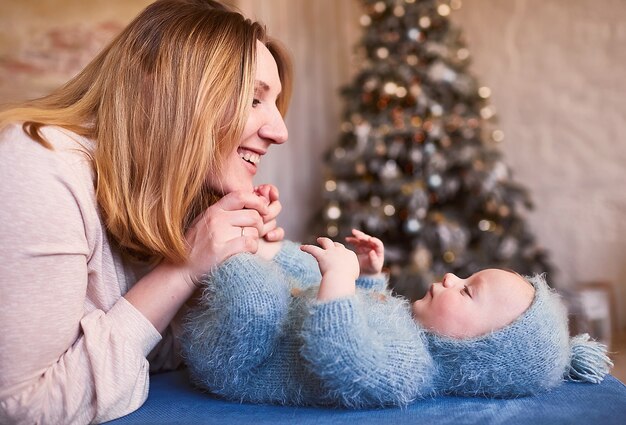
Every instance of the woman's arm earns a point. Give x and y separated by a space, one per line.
73 351
215 236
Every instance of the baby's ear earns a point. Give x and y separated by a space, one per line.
588 360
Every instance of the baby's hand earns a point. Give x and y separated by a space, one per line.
339 267
334 258
271 232
370 251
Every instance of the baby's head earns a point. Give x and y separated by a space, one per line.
510 338
464 308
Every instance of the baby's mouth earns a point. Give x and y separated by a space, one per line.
249 156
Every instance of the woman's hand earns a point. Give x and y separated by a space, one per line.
369 250
270 232
230 226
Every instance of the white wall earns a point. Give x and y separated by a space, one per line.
557 73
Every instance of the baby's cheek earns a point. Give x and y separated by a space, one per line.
446 310
451 319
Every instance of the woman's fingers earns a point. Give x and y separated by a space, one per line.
271 232
243 200
244 218
250 232
273 209
239 245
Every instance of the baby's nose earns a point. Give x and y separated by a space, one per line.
449 280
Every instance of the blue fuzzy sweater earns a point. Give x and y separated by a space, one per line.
259 335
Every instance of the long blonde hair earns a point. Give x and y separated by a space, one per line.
165 102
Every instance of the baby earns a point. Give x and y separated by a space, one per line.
279 332
458 308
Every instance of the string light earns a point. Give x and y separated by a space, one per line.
443 9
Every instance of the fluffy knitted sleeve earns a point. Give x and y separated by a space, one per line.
237 321
374 283
367 352
304 270
298 265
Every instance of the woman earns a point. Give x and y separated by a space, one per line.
119 190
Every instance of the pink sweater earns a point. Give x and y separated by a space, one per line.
72 349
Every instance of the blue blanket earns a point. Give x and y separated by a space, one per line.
172 400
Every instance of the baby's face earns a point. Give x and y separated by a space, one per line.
464 308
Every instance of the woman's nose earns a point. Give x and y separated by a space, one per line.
274 129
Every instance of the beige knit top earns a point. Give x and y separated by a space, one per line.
72 349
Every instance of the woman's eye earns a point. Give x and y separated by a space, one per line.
255 102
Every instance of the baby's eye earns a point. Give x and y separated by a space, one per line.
255 102
467 291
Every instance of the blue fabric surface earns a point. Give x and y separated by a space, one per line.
172 400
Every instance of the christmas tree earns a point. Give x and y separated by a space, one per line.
417 163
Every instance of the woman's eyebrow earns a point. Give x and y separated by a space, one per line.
262 84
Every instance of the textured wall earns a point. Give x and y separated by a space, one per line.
556 69
44 42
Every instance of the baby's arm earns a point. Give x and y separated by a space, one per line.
370 252
238 319
371 255
366 353
301 268
339 268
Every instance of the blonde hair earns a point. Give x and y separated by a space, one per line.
165 102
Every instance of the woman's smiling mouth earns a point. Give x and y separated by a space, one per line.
249 156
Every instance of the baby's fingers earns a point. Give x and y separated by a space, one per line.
360 235
374 257
326 243
361 243
358 243
315 251
378 245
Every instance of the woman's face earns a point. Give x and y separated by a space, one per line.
265 126
464 308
